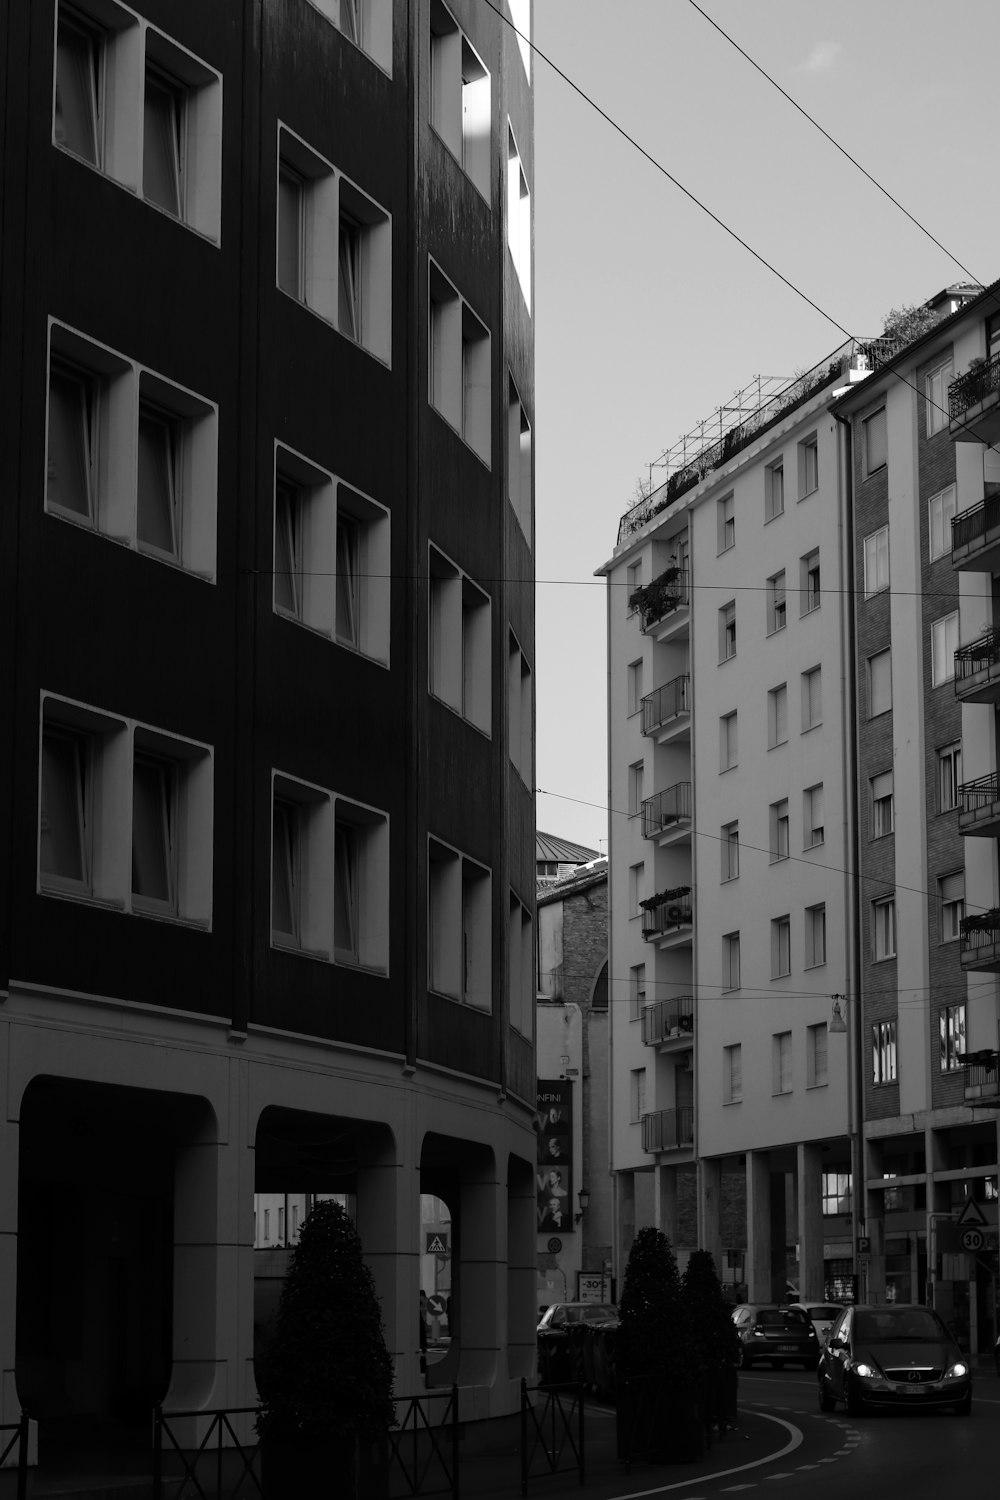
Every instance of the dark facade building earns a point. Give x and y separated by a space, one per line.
266 708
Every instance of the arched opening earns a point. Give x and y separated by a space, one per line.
461 1175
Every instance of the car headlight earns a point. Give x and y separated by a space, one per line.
957 1371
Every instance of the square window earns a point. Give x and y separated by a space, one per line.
519 462
951 1020
815 937
875 442
728 746
781 947
732 1073
731 961
940 514
813 821
779 830
635 689
936 383
776 607
812 698
951 893
730 851
884 928
809 583
726 523
774 490
884 1052
877 562
817 1073
460 634
808 453
637 991
518 217
882 812
459 365
949 762
777 716
460 97
727 631
879 683
944 644
781 1062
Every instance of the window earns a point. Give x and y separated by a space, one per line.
125 814
779 830
884 928
140 109
881 805
635 689
460 97
521 968
815 936
459 923
809 582
808 451
813 823
875 447
519 720
518 217
776 603
519 462
731 961
777 716
951 893
936 383
366 23
836 1193
812 698
879 683
726 523
949 762
884 1052
635 780
727 631
730 851
877 562
781 947
329 876
130 453
732 1074
459 365
940 514
636 991
816 1056
331 556
333 247
944 644
459 641
728 747
636 889
951 1020
774 490
781 1062
637 1094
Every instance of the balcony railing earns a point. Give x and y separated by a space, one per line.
982 1075
980 932
978 656
667 810
666 1129
666 1020
663 920
972 387
975 524
656 601
976 795
665 703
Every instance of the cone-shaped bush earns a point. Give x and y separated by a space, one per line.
653 1326
716 1340
326 1372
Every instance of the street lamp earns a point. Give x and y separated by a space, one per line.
584 1197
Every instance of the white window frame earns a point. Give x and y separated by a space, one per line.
815 935
779 831
949 769
936 383
519 488
460 629
774 490
941 511
952 1032
726 519
879 664
459 364
884 1057
808 457
810 582
812 699
817 1056
813 816
781 1062
777 716
460 97
730 844
781 947
876 562
459 926
777 603
944 644
881 799
727 631
883 929
731 961
732 1073
728 741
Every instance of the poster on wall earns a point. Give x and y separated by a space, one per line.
554 1175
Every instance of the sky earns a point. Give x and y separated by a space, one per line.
648 316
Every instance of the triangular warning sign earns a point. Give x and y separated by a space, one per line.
972 1214
437 1246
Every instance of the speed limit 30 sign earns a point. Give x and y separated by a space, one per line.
973 1239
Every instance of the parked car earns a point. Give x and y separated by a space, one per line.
822 1315
775 1334
555 1332
898 1354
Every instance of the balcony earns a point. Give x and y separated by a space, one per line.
668 919
979 807
667 1021
663 605
977 670
666 712
980 941
668 1129
982 1078
974 403
975 537
666 817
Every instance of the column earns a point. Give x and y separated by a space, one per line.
10 1407
522 1313
665 1201
809 1165
710 1208
388 1225
482 1270
625 1190
758 1268
873 1203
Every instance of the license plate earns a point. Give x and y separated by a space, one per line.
788 1349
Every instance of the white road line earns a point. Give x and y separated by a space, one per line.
730 1488
786 1475
807 1466
794 1441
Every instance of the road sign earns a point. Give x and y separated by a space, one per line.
554 1245
973 1239
436 1305
972 1214
437 1243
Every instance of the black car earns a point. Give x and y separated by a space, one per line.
776 1335
554 1335
900 1354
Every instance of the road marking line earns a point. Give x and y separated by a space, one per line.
794 1441
807 1466
731 1487
787 1475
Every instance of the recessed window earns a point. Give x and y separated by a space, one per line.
813 825
637 1094
459 927
951 1021
459 365
519 718
781 947
875 444
154 833
949 766
636 888
728 746
158 482
781 1062
162 114
78 124
812 698
884 928
809 582
879 683
732 1073
774 490
779 830
518 217
461 111
882 818
520 968
731 961
776 605
636 991
884 1052
366 23
808 456
519 462
877 561
816 1056
944 644
726 522
460 634
727 631
636 774
635 688
815 936
777 716
936 383
951 893
940 514
730 841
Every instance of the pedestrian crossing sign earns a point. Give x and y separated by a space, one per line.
437 1243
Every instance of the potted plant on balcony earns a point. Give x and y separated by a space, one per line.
326 1377
653 600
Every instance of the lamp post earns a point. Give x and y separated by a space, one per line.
584 1196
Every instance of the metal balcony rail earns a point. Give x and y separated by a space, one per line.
977 656
666 1129
983 792
666 702
661 598
666 809
982 1073
664 1019
667 918
976 523
974 386
981 930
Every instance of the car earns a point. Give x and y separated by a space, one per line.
555 1361
822 1315
898 1354
776 1334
